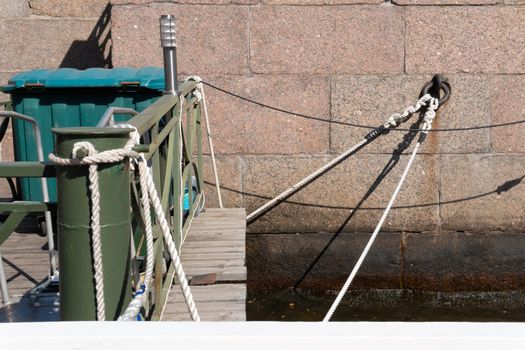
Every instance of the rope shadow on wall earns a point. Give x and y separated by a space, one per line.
504 187
95 51
389 166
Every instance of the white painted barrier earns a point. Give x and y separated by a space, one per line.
262 335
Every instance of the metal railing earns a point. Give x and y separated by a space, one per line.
175 156
158 123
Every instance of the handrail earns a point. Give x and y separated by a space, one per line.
27 169
159 124
45 190
108 119
151 115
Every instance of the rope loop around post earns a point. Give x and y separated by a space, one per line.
201 98
84 153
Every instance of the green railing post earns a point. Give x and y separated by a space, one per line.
77 290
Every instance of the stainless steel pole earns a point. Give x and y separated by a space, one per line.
169 48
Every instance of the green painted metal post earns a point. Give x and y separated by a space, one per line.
77 290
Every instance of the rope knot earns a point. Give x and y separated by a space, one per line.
83 149
430 114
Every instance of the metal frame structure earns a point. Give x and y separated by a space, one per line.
18 210
163 141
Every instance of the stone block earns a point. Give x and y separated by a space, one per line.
197 2
482 192
239 127
339 201
7 153
4 78
13 8
210 39
321 261
49 43
467 39
229 170
447 2
455 262
369 100
68 8
507 96
326 39
320 2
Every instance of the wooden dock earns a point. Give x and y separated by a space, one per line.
213 257
25 259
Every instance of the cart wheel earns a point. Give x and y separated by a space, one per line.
43 230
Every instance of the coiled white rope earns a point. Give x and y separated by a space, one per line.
428 117
199 93
393 121
84 153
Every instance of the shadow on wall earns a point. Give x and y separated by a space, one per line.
95 51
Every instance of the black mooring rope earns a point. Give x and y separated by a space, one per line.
355 125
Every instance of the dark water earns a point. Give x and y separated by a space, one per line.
389 305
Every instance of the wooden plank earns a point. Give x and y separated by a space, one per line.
232 231
213 264
193 256
224 276
215 250
216 292
25 262
216 243
223 238
212 244
214 303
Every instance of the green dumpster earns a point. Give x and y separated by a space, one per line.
66 97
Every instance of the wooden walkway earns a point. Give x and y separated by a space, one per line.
213 257
25 259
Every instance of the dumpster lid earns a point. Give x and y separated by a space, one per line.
147 77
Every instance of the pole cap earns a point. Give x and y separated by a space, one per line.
168 31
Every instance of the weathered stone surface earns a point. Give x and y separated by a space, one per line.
4 78
451 261
68 8
369 100
477 39
210 39
13 8
198 2
328 39
482 192
7 153
239 127
507 96
53 43
320 2
328 204
447 2
321 261
229 169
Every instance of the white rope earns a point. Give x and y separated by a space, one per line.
141 295
393 121
427 125
201 97
85 154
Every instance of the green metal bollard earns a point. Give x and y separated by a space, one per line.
77 287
